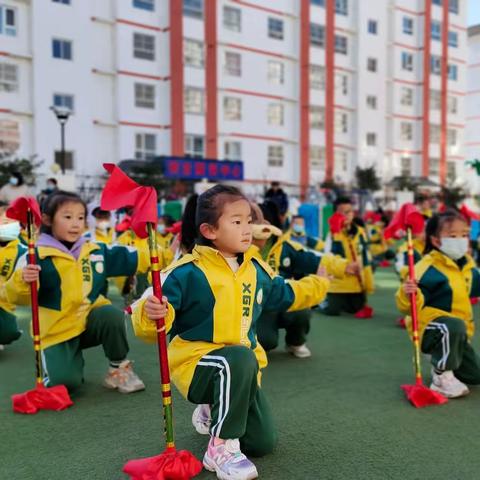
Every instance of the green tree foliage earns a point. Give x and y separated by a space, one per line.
25 166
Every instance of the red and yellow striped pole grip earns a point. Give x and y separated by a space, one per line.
161 340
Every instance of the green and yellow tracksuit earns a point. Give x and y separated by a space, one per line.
292 260
310 242
73 313
401 263
348 293
164 241
101 236
445 314
214 354
10 253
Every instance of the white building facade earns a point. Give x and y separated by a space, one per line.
239 80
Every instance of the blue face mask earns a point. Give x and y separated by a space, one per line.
161 229
9 231
13 181
298 229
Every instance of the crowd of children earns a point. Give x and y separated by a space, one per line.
235 275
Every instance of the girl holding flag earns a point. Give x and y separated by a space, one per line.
215 296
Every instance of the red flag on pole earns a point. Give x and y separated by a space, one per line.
407 216
18 210
121 191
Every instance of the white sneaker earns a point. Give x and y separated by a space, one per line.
228 462
448 385
300 351
202 419
123 378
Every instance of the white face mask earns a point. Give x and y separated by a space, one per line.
455 248
161 229
103 225
9 231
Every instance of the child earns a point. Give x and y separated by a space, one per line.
11 249
298 234
446 278
215 296
164 236
292 261
349 294
71 272
102 231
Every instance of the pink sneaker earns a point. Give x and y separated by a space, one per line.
228 462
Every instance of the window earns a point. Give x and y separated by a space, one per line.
452 104
405 166
317 118
145 146
9 136
194 100
435 100
407 25
341 122
451 174
276 72
144 46
341 44
233 64
8 77
275 156
453 39
232 19
406 96
233 151
63 100
372 102
451 137
437 2
372 64
341 83
144 95
68 159
434 167
275 28
341 7
194 146
8 21
193 8
372 27
232 108
317 157
407 61
434 133
318 3
452 6
435 65
436 30
452 72
144 4
406 131
275 114
62 49
65 2
193 53
317 77
371 139
317 35
341 160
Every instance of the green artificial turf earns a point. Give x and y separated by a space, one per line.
340 414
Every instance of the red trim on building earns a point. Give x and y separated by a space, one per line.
144 125
457 125
408 47
474 65
346 147
406 117
407 82
140 25
458 27
407 10
5 54
408 152
443 97
456 157
211 120
142 75
258 50
458 60
255 94
426 88
260 7
459 94
329 88
343 69
259 137
343 107
5 110
304 96
176 74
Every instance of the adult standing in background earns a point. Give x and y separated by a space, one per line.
279 197
14 189
52 187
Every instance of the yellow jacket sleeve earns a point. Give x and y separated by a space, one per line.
403 300
334 264
145 328
15 290
309 291
369 283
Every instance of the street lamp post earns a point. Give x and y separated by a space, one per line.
62 114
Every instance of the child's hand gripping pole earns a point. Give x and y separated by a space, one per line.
353 254
418 394
161 340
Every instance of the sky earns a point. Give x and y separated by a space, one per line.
473 12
